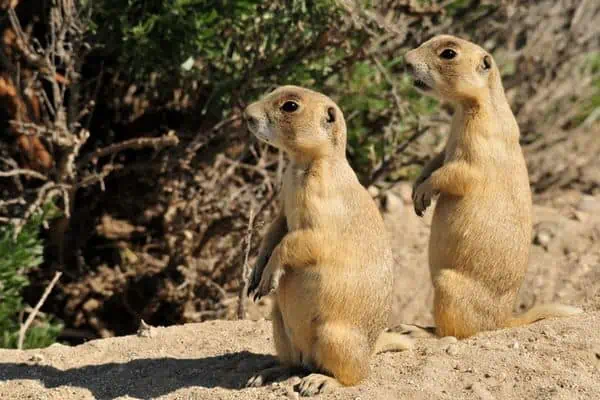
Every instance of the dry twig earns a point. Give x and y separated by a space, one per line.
386 166
32 314
26 172
241 312
44 194
136 144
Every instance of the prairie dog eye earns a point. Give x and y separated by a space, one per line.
289 106
487 62
448 54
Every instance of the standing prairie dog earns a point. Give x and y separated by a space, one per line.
326 255
481 228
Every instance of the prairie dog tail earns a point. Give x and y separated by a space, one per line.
392 341
542 311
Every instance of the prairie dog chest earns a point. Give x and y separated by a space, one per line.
454 147
302 197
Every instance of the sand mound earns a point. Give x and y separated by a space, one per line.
555 359
558 359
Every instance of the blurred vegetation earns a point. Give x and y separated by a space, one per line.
18 257
233 51
591 107
156 234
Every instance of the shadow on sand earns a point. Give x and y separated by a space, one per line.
146 378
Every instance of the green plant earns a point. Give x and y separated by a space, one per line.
592 104
18 256
224 43
233 51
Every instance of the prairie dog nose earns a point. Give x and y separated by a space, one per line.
251 121
410 62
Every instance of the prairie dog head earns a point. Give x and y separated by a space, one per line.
452 69
305 123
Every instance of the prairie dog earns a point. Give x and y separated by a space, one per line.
326 256
481 228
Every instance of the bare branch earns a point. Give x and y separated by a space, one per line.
18 200
35 311
385 167
9 220
402 107
21 171
29 128
68 168
99 177
241 312
157 143
46 192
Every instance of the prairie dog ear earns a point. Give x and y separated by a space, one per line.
331 114
486 63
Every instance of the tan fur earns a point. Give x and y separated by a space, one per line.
481 228
326 256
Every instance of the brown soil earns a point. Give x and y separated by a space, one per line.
556 359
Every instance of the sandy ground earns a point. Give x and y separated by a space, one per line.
555 359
